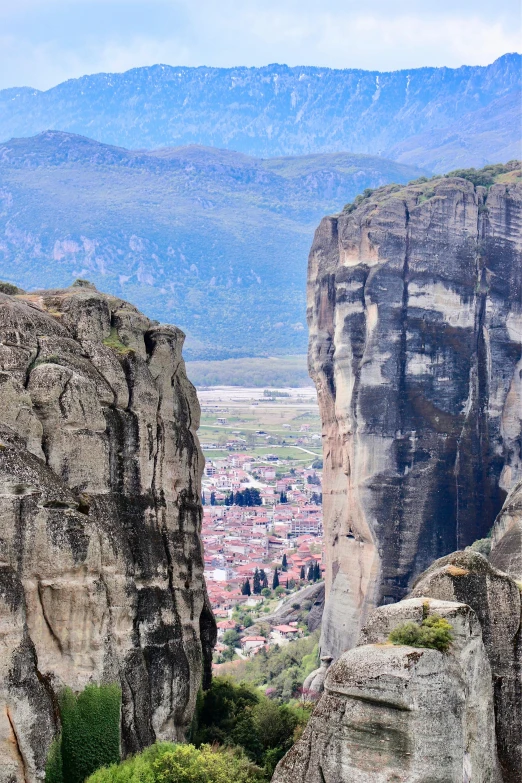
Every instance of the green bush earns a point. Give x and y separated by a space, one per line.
238 715
169 763
90 734
433 632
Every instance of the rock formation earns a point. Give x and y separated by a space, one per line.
415 316
411 715
101 568
506 545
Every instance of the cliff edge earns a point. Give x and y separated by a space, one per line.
415 317
101 567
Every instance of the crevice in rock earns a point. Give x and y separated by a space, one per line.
48 624
17 745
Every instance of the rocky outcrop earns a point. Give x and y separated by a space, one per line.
404 714
506 545
101 569
415 316
468 578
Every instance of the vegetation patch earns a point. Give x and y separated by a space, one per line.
10 289
113 341
165 762
90 736
486 176
237 715
434 632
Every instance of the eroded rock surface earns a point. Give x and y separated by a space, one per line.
506 545
415 316
403 714
469 578
101 568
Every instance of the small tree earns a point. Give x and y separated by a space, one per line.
266 592
257 582
284 564
275 581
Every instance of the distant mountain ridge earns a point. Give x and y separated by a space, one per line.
212 240
440 118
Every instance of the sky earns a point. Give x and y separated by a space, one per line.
45 42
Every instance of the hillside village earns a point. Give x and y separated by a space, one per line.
257 554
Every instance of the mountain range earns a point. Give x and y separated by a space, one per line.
212 240
439 118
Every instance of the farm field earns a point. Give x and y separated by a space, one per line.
261 422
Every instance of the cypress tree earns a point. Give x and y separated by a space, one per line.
284 564
302 575
256 583
275 582
245 590
263 578
212 498
310 572
317 571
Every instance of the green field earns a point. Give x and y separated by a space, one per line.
287 423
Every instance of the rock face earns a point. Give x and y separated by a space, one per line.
467 577
101 569
403 714
415 316
506 546
413 715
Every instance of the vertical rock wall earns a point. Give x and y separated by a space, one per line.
101 567
415 316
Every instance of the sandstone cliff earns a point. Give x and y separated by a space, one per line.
415 316
412 715
101 568
506 545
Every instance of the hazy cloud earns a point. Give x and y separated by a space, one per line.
43 42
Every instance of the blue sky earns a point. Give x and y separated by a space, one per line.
44 42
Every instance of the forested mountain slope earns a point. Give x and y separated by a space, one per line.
214 240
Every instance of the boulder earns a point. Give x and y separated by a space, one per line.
403 714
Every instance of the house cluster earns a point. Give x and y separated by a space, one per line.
240 539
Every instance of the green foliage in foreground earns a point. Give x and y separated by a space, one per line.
434 632
168 763
281 670
90 734
239 716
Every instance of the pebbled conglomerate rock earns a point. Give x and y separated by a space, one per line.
415 316
101 568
